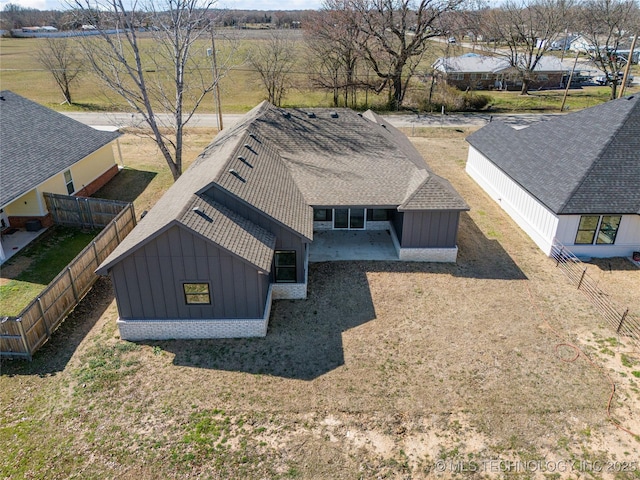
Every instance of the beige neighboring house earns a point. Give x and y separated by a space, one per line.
44 151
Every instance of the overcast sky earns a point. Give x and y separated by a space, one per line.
232 4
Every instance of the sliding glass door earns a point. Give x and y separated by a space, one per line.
349 218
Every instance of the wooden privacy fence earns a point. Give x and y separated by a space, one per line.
82 212
21 336
618 318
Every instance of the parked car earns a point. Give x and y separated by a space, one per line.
606 80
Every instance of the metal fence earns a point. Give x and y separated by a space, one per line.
21 336
617 317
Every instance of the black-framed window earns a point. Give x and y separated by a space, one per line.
322 215
285 262
196 293
597 229
68 181
377 214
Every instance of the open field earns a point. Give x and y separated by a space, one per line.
241 88
388 370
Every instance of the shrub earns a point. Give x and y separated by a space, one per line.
453 100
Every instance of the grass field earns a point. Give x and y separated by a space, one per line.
241 88
388 370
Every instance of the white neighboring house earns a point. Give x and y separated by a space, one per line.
574 178
581 45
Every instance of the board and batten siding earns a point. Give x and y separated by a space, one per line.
430 229
149 283
535 219
285 238
627 240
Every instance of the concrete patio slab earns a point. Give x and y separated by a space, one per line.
336 245
16 241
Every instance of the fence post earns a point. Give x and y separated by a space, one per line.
624 315
584 272
115 225
95 253
90 210
73 285
23 336
44 320
559 256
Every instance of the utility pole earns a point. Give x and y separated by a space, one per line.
216 79
566 90
628 66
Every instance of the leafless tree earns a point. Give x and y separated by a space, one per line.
273 59
332 39
607 26
525 29
395 35
60 58
169 74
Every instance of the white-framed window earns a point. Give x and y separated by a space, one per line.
68 181
597 229
456 76
486 76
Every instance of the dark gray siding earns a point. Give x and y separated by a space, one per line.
397 220
430 229
149 282
285 238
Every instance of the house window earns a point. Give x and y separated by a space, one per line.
322 215
377 215
68 180
601 230
486 76
542 77
456 76
196 293
285 261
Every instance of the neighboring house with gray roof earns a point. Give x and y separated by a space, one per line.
234 231
45 151
481 72
574 178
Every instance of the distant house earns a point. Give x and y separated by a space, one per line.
562 43
574 178
581 44
481 72
45 151
235 230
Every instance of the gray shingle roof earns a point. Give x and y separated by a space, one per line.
475 63
37 143
587 162
291 161
230 231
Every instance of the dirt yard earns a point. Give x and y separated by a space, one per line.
495 367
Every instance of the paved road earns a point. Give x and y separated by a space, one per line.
400 120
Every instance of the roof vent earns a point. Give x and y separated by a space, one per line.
237 175
245 161
383 125
202 214
286 114
311 115
334 114
254 136
359 114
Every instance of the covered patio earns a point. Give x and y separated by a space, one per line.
15 239
336 245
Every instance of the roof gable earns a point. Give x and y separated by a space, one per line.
579 163
38 143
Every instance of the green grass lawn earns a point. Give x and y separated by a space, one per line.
39 263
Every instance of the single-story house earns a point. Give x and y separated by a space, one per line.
581 44
480 72
235 229
45 151
574 179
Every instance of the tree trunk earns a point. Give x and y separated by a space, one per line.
395 102
525 87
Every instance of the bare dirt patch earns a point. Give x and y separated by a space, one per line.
387 370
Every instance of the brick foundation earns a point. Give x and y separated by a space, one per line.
21 222
98 183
